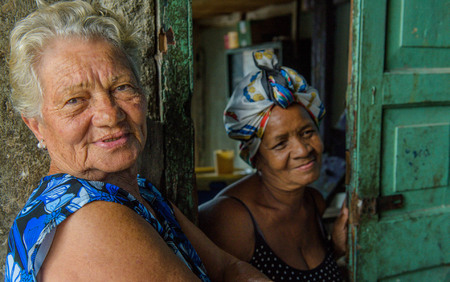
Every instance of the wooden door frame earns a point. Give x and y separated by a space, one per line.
169 156
364 110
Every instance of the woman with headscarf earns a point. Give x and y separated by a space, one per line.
272 219
75 79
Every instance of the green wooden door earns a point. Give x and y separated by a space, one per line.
398 140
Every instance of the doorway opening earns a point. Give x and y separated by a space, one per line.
311 37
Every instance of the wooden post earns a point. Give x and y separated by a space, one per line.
321 63
174 25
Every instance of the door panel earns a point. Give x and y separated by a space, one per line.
416 246
399 140
418 86
415 156
439 273
416 30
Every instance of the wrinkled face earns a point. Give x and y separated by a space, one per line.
93 112
291 149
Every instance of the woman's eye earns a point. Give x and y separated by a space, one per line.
280 145
73 101
308 133
125 91
124 87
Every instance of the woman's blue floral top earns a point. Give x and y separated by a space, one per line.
60 195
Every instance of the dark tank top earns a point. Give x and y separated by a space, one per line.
266 261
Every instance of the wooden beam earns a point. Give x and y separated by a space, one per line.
321 60
176 87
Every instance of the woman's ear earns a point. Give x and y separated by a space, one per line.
34 125
256 162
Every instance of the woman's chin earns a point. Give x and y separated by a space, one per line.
114 164
307 179
118 167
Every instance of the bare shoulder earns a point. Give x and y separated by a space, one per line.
225 202
222 209
318 199
228 206
108 241
228 224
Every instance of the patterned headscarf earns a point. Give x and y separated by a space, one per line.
249 108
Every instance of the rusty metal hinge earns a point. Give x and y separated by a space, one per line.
372 206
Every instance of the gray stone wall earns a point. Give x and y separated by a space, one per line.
22 164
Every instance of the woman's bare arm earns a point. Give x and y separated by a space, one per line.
221 266
106 241
228 224
339 233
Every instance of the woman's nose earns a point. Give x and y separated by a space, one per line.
106 111
301 148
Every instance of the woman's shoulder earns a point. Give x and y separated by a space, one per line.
232 201
58 199
228 223
223 209
114 235
242 188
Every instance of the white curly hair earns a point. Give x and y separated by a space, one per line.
63 19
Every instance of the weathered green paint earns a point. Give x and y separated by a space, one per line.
399 139
420 25
176 92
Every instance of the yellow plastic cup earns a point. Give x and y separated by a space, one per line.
223 160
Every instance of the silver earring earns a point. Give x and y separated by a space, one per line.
41 145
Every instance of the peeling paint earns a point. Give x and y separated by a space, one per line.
355 207
176 92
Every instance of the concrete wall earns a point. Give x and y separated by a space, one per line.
21 163
210 95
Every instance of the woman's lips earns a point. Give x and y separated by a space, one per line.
310 164
113 141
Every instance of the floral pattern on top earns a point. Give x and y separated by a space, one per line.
61 195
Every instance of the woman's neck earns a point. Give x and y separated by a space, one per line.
279 197
125 180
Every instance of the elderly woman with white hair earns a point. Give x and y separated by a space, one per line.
74 74
272 219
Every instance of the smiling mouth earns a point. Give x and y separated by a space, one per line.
307 164
112 139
